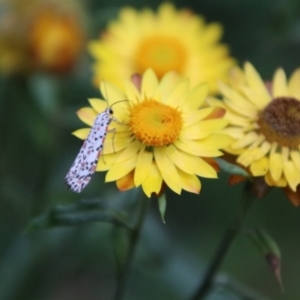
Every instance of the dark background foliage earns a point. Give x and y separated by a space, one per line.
37 114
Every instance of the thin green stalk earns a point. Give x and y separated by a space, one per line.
134 235
225 244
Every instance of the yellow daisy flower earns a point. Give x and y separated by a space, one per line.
56 40
169 40
40 35
161 134
265 123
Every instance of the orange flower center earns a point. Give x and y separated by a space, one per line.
280 121
162 54
155 124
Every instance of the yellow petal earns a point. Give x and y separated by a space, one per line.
132 92
105 162
167 169
178 94
237 120
113 145
153 181
111 93
131 150
98 105
210 126
166 11
251 96
118 171
280 84
247 157
167 84
125 183
190 164
215 102
276 165
295 155
129 16
237 102
263 150
235 152
292 175
294 84
245 141
285 151
270 181
193 132
251 113
118 127
195 97
234 132
120 107
217 113
218 141
193 117
204 169
213 33
149 84
257 85
143 166
259 140
189 182
120 115
237 77
260 167
114 134
87 115
197 148
202 129
99 51
82 133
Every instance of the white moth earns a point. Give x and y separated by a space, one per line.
86 161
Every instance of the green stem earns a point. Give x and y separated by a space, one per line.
225 244
134 235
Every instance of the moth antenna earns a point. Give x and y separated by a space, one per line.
106 95
118 102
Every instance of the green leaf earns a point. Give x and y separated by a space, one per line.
162 205
270 250
231 168
77 214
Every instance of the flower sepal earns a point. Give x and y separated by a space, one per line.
231 168
268 247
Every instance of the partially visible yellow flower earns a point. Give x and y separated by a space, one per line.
265 123
166 132
40 35
56 40
169 40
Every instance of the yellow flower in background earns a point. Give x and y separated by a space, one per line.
169 40
265 123
55 40
165 130
39 35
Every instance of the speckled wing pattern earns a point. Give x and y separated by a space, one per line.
86 161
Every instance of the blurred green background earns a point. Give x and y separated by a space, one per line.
37 116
